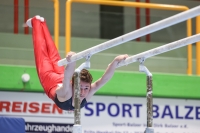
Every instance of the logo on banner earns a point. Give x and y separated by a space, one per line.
48 127
32 108
126 110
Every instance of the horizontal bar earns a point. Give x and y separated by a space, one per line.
134 4
135 34
161 49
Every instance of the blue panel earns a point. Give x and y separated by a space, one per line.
12 125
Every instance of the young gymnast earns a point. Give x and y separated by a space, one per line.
56 81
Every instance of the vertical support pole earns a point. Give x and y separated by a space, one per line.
77 114
189 47
198 47
147 11
149 102
138 22
16 17
56 23
149 96
68 26
26 15
77 128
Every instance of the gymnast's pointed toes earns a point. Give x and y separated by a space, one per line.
28 22
41 19
37 17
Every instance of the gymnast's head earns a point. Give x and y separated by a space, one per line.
85 82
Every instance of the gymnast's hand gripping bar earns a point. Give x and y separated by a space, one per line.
134 34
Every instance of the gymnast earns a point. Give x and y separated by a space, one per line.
56 81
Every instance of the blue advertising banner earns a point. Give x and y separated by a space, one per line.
103 114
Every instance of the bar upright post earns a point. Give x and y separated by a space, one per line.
149 97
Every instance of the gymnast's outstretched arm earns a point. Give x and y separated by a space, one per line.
106 76
64 92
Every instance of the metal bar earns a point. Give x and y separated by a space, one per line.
189 48
77 113
113 3
161 49
77 128
56 23
26 15
134 4
68 26
129 4
137 17
135 34
198 47
16 16
147 14
149 102
149 97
